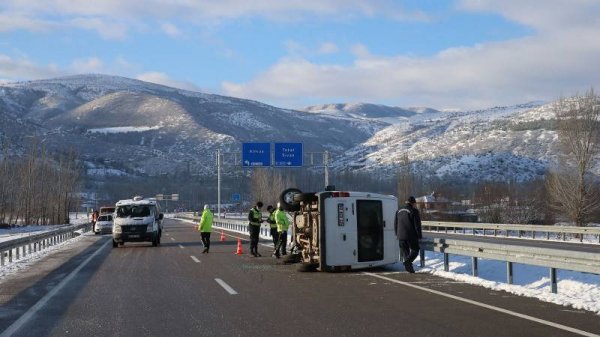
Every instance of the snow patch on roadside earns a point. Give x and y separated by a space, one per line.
575 289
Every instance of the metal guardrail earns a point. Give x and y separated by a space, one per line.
37 242
511 230
553 259
544 257
232 224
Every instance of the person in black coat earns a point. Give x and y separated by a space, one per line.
408 231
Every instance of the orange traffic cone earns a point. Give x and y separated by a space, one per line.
239 248
222 236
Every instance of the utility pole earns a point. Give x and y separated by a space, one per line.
218 183
326 162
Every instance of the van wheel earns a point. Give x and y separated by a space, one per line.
307 267
286 198
115 244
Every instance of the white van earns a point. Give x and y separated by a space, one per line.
339 230
137 220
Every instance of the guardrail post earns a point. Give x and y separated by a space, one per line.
509 272
547 235
474 268
2 258
10 255
422 258
446 262
553 285
17 254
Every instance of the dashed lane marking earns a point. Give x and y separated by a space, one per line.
195 259
226 287
182 247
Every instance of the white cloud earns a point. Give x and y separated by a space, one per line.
13 69
328 48
87 66
170 29
22 68
554 61
14 21
111 19
551 16
107 29
164 79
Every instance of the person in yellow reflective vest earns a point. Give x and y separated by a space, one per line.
282 227
205 228
273 224
255 219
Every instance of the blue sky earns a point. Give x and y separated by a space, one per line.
443 54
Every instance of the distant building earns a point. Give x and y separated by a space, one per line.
433 201
438 208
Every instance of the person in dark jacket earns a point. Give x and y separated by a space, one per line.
255 219
272 224
408 232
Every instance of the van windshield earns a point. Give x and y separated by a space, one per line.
133 211
105 218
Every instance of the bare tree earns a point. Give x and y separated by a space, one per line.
406 179
266 185
573 188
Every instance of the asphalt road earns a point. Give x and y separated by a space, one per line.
175 290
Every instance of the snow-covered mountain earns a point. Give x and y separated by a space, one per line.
134 126
502 143
368 111
123 125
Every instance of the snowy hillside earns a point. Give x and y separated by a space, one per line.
495 144
367 111
131 127
138 127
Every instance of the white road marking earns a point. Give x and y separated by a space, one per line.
42 302
487 306
195 259
172 239
182 247
226 286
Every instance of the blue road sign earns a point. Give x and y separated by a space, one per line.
288 154
236 197
256 154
